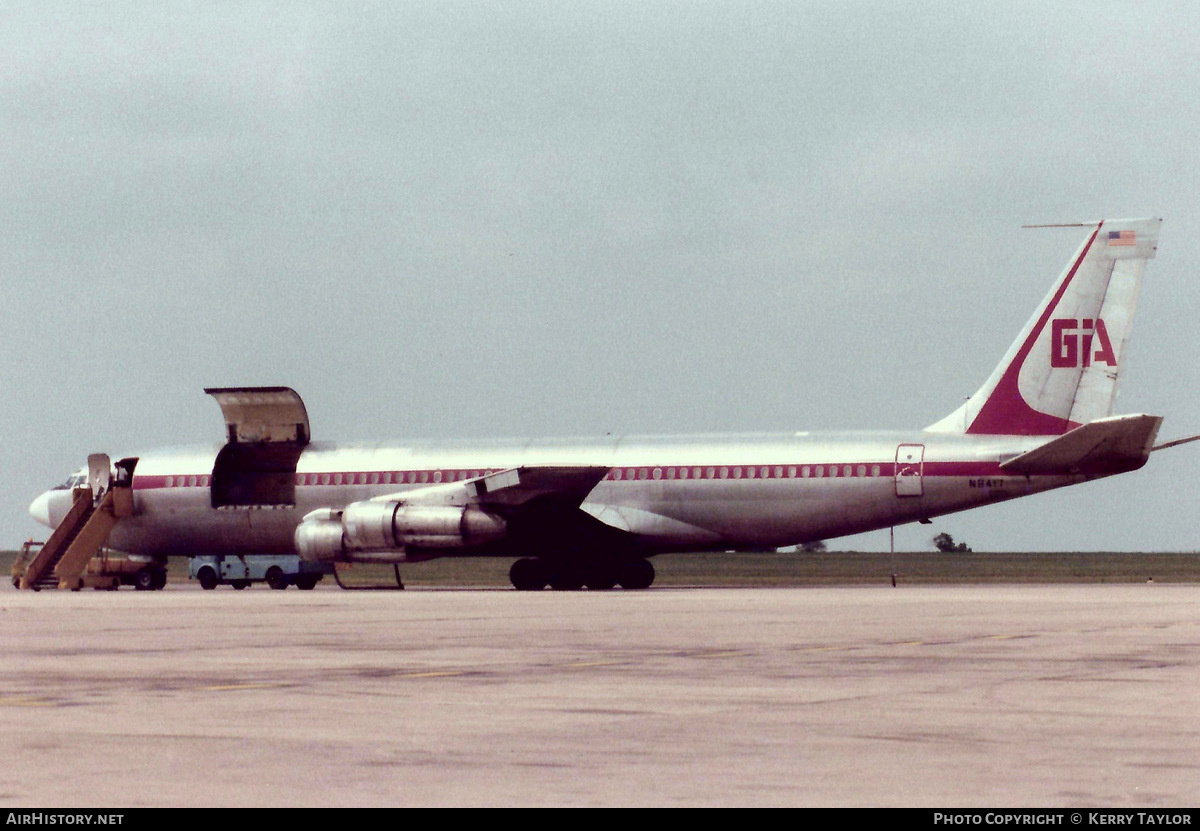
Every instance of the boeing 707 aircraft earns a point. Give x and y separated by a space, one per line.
591 512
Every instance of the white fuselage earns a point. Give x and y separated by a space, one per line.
669 493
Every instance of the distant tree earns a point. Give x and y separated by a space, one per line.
945 543
814 547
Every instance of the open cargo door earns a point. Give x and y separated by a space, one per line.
266 430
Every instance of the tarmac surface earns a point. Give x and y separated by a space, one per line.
981 696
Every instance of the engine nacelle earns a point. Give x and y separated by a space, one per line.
438 527
319 539
380 531
368 525
374 525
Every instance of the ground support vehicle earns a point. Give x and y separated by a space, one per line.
105 570
240 570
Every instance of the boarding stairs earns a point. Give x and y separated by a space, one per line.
79 537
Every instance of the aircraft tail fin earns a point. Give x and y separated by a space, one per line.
1063 369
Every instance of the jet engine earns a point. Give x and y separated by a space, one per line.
382 531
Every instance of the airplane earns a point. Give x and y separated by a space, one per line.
589 513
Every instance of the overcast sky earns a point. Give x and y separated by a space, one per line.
482 219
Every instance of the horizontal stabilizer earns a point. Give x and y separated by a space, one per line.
1106 445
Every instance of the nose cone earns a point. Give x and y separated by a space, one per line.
40 509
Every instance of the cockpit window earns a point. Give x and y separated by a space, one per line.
75 480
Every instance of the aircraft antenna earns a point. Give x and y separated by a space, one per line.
1065 225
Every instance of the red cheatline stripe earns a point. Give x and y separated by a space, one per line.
678 473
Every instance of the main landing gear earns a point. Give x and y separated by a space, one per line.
533 574
150 578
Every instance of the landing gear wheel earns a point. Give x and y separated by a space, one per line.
145 580
276 579
238 585
636 574
208 578
160 578
528 575
600 577
307 582
566 579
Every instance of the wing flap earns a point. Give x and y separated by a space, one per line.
649 524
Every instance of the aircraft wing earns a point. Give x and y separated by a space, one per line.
509 488
1106 445
529 507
